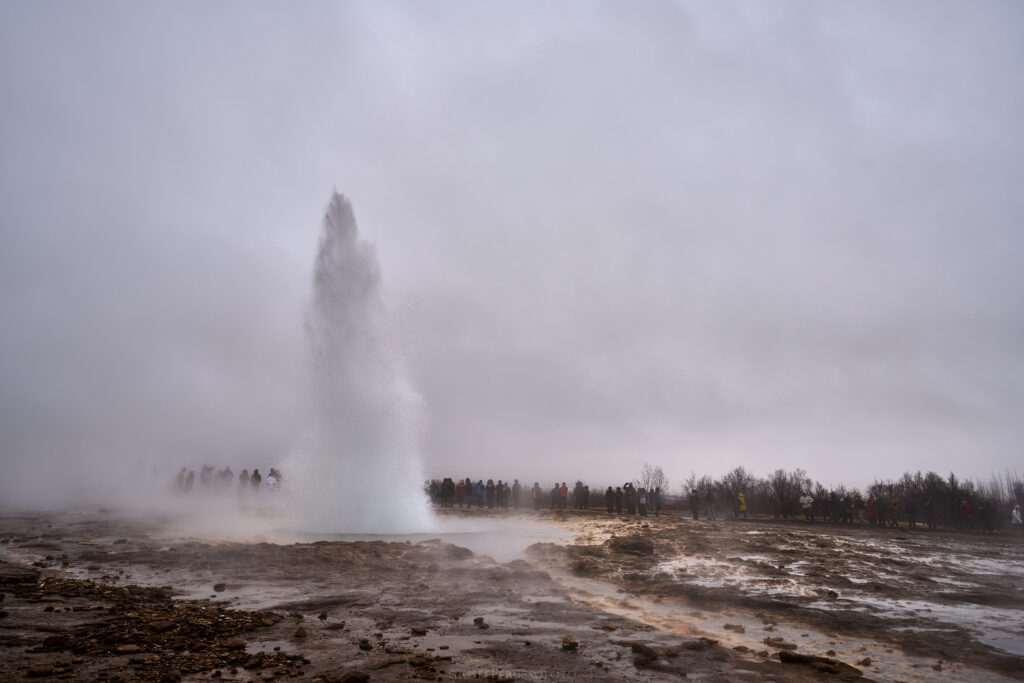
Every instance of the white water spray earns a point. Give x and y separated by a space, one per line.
357 467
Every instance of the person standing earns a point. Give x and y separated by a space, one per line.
709 502
1015 521
618 500
642 501
564 496
929 513
807 504
609 500
695 504
516 491
537 495
656 499
742 504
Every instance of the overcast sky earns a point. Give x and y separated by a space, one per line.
700 234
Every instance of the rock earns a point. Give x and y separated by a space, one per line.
779 643
736 628
39 671
322 616
569 645
219 587
364 644
300 632
94 567
267 622
354 677
128 649
336 626
700 644
160 625
418 631
864 662
631 545
820 664
480 623
57 641
234 643
644 651
608 626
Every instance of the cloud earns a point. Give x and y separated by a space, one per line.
697 235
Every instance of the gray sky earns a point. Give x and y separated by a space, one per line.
709 234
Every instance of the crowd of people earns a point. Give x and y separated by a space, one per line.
211 478
631 499
502 495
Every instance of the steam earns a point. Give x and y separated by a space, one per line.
356 469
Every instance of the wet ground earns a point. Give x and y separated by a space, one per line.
103 595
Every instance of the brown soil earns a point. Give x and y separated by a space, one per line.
112 599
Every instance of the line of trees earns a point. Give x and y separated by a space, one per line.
778 493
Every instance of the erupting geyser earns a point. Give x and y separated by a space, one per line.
356 469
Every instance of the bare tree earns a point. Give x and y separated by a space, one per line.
651 477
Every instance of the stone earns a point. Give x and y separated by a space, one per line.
569 645
57 641
779 643
700 644
354 677
234 643
160 625
300 632
644 651
418 631
864 662
219 587
128 649
608 626
322 616
736 628
631 545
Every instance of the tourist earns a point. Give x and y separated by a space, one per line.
1015 521
656 499
709 502
695 504
741 502
609 500
929 513
807 504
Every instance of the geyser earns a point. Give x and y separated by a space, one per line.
356 469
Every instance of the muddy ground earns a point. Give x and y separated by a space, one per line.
100 595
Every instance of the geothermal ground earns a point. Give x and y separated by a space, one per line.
102 595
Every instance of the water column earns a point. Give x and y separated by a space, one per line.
357 468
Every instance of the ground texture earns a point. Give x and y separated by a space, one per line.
95 595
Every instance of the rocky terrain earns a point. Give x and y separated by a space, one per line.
96 595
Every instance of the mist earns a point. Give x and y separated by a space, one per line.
697 235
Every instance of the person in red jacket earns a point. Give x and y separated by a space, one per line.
563 494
